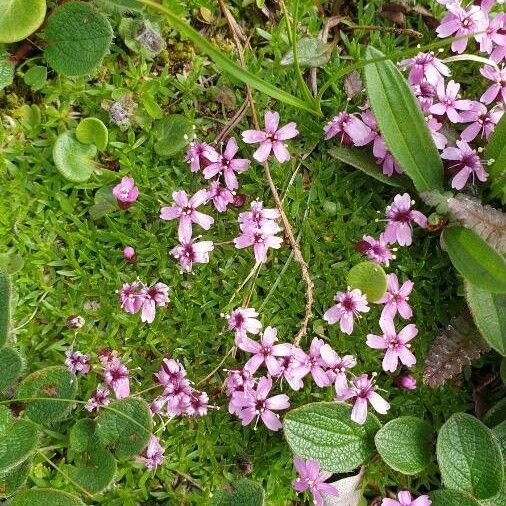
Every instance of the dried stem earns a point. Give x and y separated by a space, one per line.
385 29
308 313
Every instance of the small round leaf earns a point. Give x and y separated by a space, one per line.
73 159
172 135
370 278
36 77
45 497
20 18
18 440
404 444
93 131
240 493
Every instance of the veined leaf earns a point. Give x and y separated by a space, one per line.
402 124
240 493
45 497
475 260
19 18
452 498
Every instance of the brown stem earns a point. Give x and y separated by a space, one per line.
22 52
386 29
232 123
308 313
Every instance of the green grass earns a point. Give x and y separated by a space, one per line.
74 265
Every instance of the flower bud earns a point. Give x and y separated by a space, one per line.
407 382
75 322
129 254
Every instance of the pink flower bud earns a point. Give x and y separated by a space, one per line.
129 254
407 382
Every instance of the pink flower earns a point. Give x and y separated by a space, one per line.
495 32
200 154
395 344
312 362
116 377
221 196
462 22
264 352
170 374
363 390
292 368
425 93
129 254
482 121
498 88
271 139
199 404
185 210
152 455
407 382
467 163
152 297
126 192
311 478
98 399
255 404
237 381
400 216
395 299
243 320
258 215
405 499
77 362
376 250
190 252
349 305
449 102
228 165
350 129
260 238
337 366
435 126
130 297
425 66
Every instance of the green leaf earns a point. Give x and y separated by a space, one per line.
151 105
499 432
496 150
361 159
225 64
240 493
53 383
20 18
489 314
14 479
5 307
125 427
73 159
498 500
503 371
475 260
324 431
452 498
18 440
6 71
311 52
172 135
11 365
402 124
36 77
45 497
405 444
93 131
496 414
78 39
10 263
370 278
105 203
469 457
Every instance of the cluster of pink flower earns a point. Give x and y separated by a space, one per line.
136 296
178 396
438 100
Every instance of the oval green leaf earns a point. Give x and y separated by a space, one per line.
36 77
489 315
452 498
469 457
93 131
496 414
45 497
172 135
243 492
14 479
402 123
324 431
20 18
475 260
78 38
11 365
18 440
405 444
73 159
370 278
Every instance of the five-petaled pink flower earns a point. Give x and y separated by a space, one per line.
228 165
125 192
99 398
312 362
130 298
349 305
271 139
349 129
449 102
153 296
376 250
337 366
425 66
482 121
363 390
152 455
243 320
404 498
498 76
192 252
261 238
252 404
200 154
395 299
116 377
311 478
466 162
221 196
185 210
400 216
265 351
77 362
395 344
